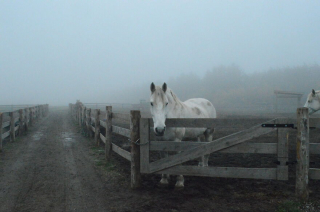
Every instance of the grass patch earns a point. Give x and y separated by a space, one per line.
289 206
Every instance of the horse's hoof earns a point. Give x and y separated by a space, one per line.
179 185
179 188
164 183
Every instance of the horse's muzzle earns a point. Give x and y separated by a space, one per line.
159 131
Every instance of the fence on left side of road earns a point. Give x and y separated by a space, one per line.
17 121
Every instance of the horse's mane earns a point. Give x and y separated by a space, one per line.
173 96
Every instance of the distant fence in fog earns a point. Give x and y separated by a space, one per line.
9 108
18 120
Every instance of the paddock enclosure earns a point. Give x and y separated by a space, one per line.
250 148
13 123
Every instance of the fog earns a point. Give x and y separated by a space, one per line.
230 52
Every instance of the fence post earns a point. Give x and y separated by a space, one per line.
21 121
79 115
1 119
283 153
302 172
135 148
145 148
108 146
12 133
89 130
97 127
84 125
26 119
30 115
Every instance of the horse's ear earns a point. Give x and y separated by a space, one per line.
152 88
313 92
164 87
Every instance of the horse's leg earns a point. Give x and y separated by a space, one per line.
200 159
180 181
180 178
164 177
208 137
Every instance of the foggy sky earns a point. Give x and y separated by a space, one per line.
58 51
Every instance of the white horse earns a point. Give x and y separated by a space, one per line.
165 104
313 101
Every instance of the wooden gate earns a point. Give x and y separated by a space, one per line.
234 143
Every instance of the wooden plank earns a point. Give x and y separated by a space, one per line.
16 119
93 129
89 131
108 145
5 124
174 146
135 149
6 134
123 153
208 122
302 167
121 131
314 122
97 127
16 128
210 147
26 118
103 124
315 148
12 125
21 121
121 116
227 172
145 147
314 174
283 153
103 139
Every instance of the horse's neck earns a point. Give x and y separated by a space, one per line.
176 105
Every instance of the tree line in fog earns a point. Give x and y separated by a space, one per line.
231 87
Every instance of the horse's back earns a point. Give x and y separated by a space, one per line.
200 108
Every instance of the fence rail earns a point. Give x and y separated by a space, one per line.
92 125
13 123
139 156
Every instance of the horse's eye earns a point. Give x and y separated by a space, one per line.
310 101
151 103
166 103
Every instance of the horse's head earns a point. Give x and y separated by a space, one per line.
313 102
158 108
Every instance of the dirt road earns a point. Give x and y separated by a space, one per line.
55 168
51 169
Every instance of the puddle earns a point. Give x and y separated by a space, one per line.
37 136
67 138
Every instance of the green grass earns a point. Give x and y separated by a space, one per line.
289 206
107 165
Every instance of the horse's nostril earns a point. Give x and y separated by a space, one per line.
160 130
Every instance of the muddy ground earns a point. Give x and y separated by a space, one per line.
54 167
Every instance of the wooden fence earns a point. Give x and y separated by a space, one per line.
142 145
91 122
15 122
230 144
